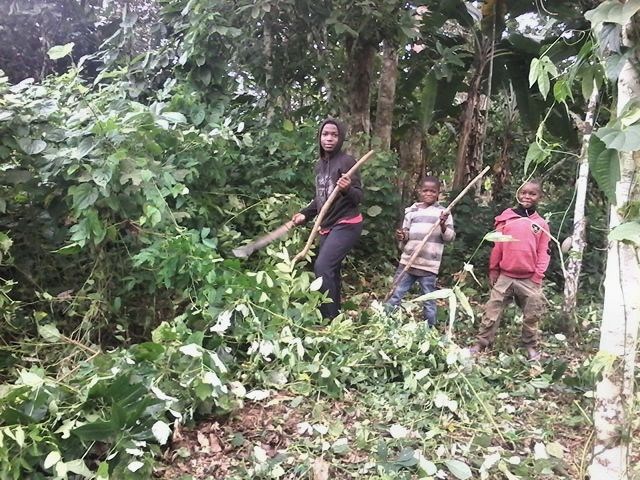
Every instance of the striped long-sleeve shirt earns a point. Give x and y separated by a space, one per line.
418 220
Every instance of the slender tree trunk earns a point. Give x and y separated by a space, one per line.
502 166
472 129
621 314
360 57
386 94
411 163
574 265
267 47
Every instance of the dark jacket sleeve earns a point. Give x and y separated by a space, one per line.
310 211
354 194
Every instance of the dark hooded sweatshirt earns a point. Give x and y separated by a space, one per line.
329 169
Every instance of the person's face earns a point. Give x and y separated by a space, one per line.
329 137
529 195
429 193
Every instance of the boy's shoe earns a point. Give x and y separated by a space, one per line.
533 354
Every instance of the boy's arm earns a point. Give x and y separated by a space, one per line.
404 231
543 257
310 211
495 258
354 192
449 234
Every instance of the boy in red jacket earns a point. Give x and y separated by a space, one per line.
516 269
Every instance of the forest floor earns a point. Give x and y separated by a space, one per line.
533 420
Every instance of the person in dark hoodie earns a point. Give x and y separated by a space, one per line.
516 269
342 225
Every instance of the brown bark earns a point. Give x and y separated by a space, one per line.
360 57
473 126
502 167
386 95
411 163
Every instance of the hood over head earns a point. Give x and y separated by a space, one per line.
342 133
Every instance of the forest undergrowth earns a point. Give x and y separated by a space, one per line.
445 416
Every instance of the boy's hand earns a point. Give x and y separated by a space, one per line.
443 221
493 277
344 183
298 219
401 235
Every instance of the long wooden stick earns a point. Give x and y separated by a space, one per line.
246 250
433 228
326 206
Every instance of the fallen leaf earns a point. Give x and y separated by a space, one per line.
320 469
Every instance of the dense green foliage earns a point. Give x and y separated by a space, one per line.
129 175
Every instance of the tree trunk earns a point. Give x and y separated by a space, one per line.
411 163
472 126
621 314
360 57
574 265
267 50
502 166
386 94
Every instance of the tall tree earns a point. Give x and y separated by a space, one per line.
621 313
574 265
386 94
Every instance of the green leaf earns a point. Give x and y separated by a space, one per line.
619 138
51 459
5 242
626 232
374 211
499 237
561 91
535 155
287 126
442 293
458 469
79 468
84 147
60 51
84 195
464 301
587 83
99 431
31 147
5 115
612 11
535 70
604 166
161 431
49 332
174 117
428 97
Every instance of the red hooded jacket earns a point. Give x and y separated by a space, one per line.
527 256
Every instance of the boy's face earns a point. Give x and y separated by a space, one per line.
429 193
329 137
529 195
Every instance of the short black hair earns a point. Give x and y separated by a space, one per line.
430 179
536 181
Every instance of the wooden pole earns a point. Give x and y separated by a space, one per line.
326 206
435 225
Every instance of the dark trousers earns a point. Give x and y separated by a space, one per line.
333 249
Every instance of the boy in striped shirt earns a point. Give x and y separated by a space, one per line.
418 220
